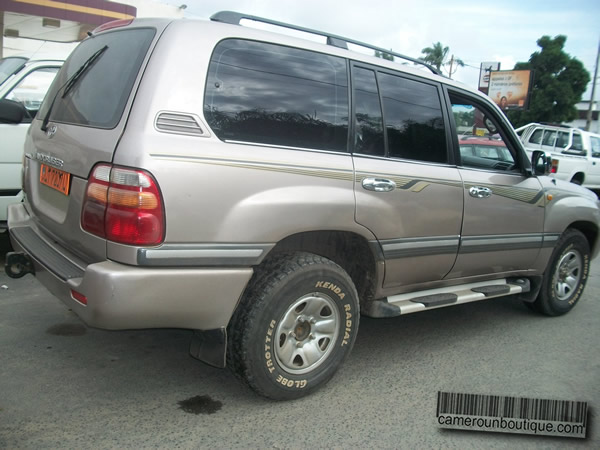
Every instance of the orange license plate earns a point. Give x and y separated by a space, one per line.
55 178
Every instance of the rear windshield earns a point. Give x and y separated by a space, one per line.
96 96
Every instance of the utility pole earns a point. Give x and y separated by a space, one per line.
1 33
454 62
588 122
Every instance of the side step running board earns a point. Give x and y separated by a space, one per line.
397 305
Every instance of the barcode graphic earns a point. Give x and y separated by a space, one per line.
512 407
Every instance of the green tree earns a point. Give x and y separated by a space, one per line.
437 56
383 55
559 82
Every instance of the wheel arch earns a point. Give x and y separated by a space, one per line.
590 231
578 178
580 212
351 251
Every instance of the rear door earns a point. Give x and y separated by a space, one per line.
408 192
503 206
79 125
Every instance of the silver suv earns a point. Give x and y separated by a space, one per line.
265 191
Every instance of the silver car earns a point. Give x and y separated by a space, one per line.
265 191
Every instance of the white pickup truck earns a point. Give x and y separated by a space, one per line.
23 85
575 153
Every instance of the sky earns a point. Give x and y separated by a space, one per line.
504 31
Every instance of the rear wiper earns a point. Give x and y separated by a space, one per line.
70 83
77 75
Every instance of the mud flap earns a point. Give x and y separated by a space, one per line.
210 346
530 296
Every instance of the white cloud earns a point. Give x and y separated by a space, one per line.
475 32
507 62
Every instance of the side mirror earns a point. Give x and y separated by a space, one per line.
489 124
540 163
11 112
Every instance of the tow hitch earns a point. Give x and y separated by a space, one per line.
18 265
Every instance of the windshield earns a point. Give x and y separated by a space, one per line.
94 84
8 66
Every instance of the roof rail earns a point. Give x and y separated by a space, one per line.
234 18
558 125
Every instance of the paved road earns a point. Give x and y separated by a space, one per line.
65 385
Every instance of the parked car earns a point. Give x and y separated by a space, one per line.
269 190
575 153
23 85
487 153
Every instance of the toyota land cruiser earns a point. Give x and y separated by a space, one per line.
265 191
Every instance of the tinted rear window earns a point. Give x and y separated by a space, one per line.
98 98
270 94
413 119
368 130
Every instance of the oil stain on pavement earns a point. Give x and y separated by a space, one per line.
67 329
200 404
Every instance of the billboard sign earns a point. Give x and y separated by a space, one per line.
509 89
484 74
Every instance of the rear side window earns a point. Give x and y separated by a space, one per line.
368 137
98 96
549 138
562 139
413 119
270 94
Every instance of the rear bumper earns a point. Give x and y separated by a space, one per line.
130 297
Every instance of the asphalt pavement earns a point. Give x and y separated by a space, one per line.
65 385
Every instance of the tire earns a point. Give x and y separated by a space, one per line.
294 327
565 276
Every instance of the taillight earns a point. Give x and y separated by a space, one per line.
554 167
123 205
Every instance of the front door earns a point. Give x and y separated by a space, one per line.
502 229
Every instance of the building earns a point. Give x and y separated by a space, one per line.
51 29
582 110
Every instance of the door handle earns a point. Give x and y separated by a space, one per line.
480 192
378 184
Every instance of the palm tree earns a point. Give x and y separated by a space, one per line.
437 56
